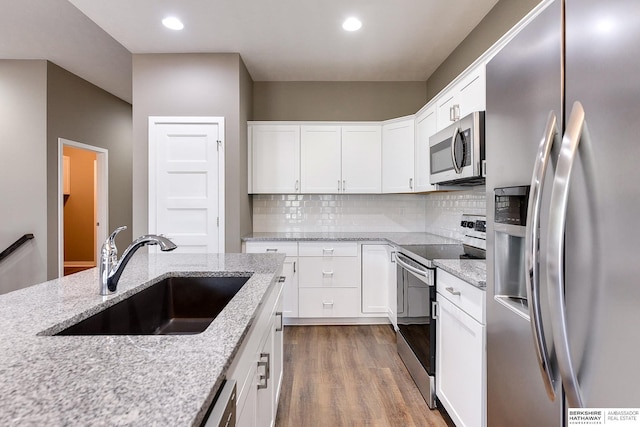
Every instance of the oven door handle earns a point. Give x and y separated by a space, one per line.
403 264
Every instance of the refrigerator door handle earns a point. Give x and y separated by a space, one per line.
532 242
555 251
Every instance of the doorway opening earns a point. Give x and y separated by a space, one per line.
82 209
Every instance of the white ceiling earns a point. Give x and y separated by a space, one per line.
279 40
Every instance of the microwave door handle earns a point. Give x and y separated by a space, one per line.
456 132
574 132
532 242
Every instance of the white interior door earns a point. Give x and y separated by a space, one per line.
186 182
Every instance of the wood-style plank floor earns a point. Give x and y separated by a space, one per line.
348 376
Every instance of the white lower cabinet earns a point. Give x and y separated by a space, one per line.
329 283
289 270
461 351
258 366
376 266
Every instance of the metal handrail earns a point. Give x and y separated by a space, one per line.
15 245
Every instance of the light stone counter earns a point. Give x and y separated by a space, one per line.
396 238
121 380
473 271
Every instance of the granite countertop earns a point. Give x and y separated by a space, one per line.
121 380
473 271
396 238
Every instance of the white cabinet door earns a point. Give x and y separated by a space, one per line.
278 354
466 96
460 365
361 159
289 270
375 275
320 154
425 127
392 287
275 158
265 411
290 291
398 143
472 95
444 105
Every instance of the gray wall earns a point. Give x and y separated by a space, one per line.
246 113
193 85
504 15
82 112
23 167
337 100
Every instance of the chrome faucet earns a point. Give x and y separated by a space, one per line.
111 268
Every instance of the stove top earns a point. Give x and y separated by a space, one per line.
425 254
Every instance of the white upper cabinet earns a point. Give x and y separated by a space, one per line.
320 159
274 159
398 140
425 127
361 159
466 96
340 159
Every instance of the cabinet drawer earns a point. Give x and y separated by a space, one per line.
328 249
464 295
287 248
329 302
318 272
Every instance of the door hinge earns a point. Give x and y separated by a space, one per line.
218 221
219 144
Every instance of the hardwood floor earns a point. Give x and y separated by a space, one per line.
348 376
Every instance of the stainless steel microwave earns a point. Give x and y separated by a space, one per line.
456 153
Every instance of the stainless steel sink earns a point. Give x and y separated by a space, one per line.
173 306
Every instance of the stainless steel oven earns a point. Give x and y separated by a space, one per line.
416 335
456 153
416 295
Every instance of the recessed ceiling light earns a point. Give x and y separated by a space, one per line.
352 24
173 23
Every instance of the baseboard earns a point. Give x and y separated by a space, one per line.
293 321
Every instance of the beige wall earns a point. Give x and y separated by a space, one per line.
79 215
504 15
193 85
337 100
23 166
79 111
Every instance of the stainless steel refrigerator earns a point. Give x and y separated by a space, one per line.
563 215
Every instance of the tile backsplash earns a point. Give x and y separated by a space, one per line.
437 213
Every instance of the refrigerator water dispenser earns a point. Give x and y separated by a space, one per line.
509 228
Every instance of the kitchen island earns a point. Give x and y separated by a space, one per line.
121 380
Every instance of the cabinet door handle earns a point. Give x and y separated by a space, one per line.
282 279
325 304
434 310
327 250
279 328
338 185
271 250
452 291
294 266
263 377
451 115
327 273
268 357
297 184
344 185
410 183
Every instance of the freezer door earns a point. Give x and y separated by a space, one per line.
523 87
602 270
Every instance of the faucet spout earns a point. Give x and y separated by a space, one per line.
109 272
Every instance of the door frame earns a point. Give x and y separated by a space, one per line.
101 197
154 121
